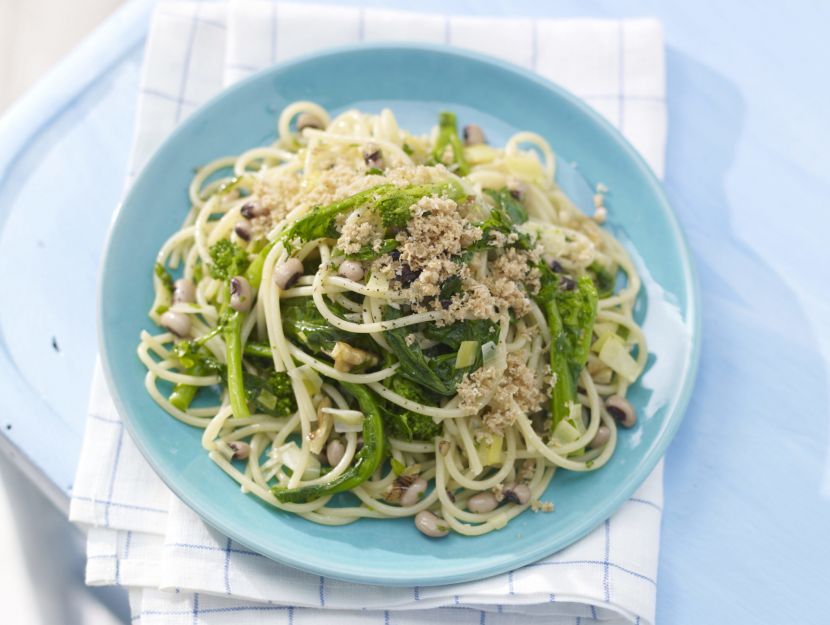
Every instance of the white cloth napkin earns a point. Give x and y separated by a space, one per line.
181 571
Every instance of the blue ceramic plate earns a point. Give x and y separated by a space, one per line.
416 82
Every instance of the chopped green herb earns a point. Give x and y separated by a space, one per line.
368 252
227 260
165 277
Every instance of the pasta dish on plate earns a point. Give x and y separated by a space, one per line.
369 323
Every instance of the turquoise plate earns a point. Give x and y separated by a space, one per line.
416 82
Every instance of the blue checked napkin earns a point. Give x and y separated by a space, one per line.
177 569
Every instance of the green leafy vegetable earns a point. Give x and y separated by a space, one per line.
415 365
259 350
267 390
270 392
320 222
407 424
451 286
254 271
605 279
227 260
194 357
506 202
191 352
578 311
500 221
187 353
435 369
233 353
303 324
453 335
183 394
366 461
368 252
394 207
448 136
391 202
570 315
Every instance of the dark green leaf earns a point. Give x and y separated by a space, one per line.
451 286
368 252
303 324
407 424
394 207
605 279
435 370
320 222
391 202
270 392
508 204
452 335
499 221
414 364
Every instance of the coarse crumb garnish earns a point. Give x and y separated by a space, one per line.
436 232
511 281
475 386
541 506
518 384
365 229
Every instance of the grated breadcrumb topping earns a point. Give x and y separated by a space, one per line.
519 383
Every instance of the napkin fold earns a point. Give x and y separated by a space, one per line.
180 570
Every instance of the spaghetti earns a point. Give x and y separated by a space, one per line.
424 322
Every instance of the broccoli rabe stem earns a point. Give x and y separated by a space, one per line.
448 136
183 394
261 350
570 310
233 345
563 389
254 271
365 463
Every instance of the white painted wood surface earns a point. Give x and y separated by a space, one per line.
41 575
35 34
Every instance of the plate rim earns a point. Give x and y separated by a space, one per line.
629 483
